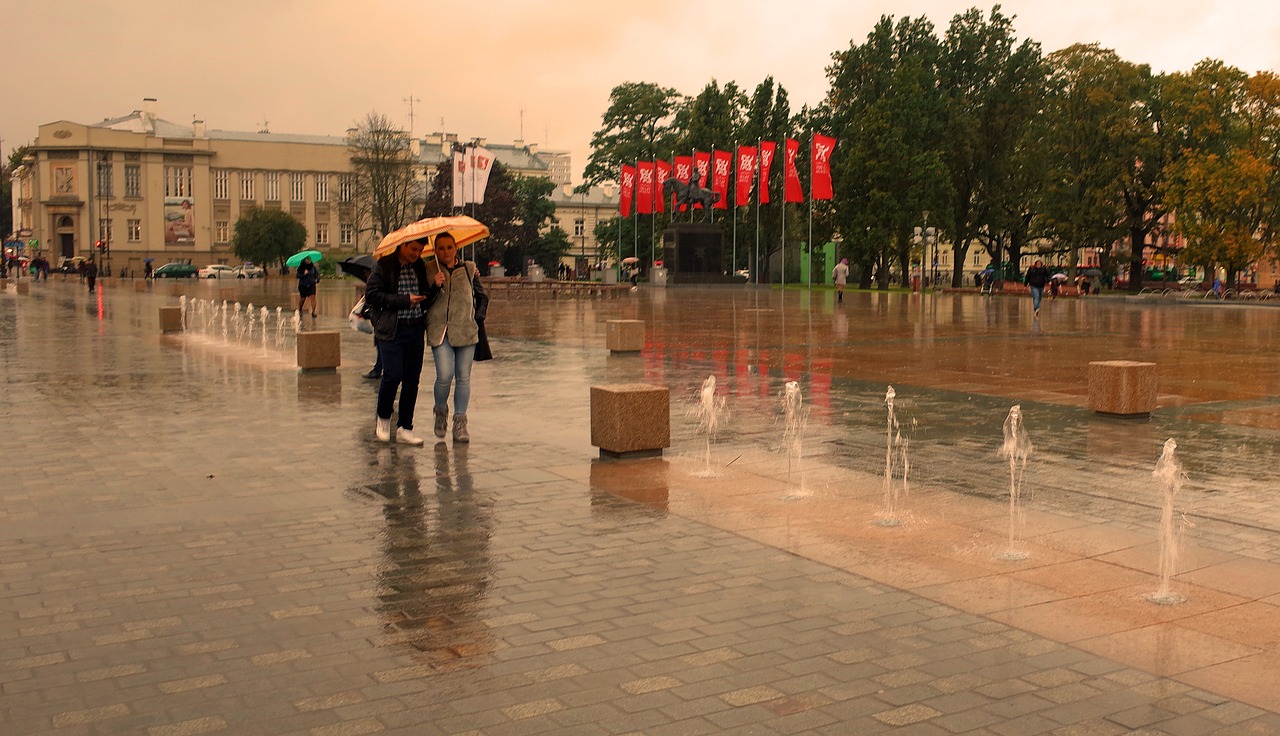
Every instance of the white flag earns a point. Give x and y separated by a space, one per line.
459 168
479 163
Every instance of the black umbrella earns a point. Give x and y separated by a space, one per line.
1092 272
358 266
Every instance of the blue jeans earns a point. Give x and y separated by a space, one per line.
453 364
401 367
1037 293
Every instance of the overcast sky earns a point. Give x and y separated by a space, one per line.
318 66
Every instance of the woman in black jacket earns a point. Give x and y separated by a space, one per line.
398 294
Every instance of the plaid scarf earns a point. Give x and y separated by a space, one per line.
409 285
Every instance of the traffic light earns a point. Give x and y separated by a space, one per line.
98 245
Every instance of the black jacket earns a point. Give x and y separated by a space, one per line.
382 294
1037 276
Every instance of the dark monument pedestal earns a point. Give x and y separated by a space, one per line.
693 253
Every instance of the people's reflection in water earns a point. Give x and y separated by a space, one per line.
437 569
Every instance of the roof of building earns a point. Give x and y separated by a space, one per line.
509 155
141 122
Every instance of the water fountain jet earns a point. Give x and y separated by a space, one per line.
1168 473
1016 448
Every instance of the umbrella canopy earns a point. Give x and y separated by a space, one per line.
295 260
630 259
465 231
986 272
1059 277
359 266
1092 272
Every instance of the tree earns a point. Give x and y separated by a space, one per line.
992 89
636 125
1083 145
383 168
885 108
1223 185
549 248
516 209
267 236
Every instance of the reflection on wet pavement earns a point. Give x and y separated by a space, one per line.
199 539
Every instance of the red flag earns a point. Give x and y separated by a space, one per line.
791 190
721 162
683 172
820 166
746 174
644 187
628 183
664 173
702 165
767 150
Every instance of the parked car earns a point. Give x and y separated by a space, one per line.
217 271
250 271
176 271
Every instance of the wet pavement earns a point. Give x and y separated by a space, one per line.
197 539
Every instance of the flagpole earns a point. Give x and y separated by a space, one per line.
755 266
811 210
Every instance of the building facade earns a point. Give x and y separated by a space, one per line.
148 188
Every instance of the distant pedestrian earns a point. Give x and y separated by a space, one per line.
840 274
146 271
1036 278
91 273
308 278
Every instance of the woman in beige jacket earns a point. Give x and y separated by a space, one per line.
452 332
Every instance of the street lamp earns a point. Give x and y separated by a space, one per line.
924 237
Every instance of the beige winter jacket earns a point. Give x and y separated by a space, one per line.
453 312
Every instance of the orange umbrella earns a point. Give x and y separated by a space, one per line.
465 231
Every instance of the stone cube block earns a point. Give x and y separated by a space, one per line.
171 319
1122 387
24 287
624 335
139 285
319 350
630 419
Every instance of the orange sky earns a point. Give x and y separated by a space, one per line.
317 66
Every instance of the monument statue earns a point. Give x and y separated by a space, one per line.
690 194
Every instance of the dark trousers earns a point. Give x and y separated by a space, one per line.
93 280
401 368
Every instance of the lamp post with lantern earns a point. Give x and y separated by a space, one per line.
925 237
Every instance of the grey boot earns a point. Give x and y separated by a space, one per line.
442 420
460 428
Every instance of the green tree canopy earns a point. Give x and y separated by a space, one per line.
636 125
267 236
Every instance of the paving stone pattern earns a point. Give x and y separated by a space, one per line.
199 541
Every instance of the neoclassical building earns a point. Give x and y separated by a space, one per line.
151 188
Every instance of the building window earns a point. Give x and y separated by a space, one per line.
346 233
177 181
273 186
579 227
220 184
132 180
344 188
135 231
977 259
295 187
322 233
104 179
246 185
104 230
322 188
222 231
